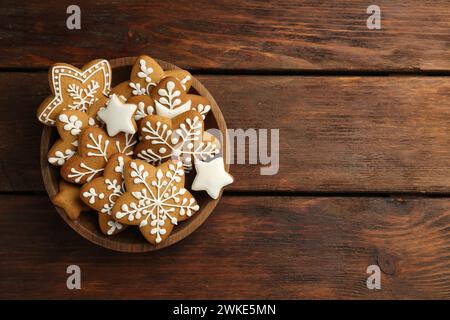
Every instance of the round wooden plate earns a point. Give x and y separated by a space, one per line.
131 239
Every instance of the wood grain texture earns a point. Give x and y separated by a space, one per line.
337 134
250 247
231 35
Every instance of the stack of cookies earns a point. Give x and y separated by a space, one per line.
124 151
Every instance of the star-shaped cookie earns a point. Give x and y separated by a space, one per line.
68 198
155 199
118 116
74 89
211 177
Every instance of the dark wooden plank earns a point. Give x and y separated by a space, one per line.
250 247
264 35
337 134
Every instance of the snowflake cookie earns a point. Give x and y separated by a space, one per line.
155 199
95 148
179 138
69 124
101 193
74 89
146 74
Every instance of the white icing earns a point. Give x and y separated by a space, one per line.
145 73
60 157
143 111
71 124
127 149
83 98
118 116
203 109
137 89
211 177
79 174
113 226
92 195
96 146
169 104
184 81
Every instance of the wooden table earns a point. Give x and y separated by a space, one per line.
364 119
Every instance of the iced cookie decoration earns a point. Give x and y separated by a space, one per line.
69 124
94 150
147 73
155 199
171 101
145 106
211 177
74 89
68 198
101 193
118 116
178 138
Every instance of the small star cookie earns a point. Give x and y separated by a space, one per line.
211 177
118 116
68 198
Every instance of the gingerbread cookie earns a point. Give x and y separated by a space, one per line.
155 199
118 116
211 177
179 138
147 73
68 198
101 193
170 99
94 150
69 124
75 89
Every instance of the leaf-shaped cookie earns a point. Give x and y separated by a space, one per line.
178 138
101 193
155 199
74 89
95 148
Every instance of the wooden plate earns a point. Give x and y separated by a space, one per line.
131 239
